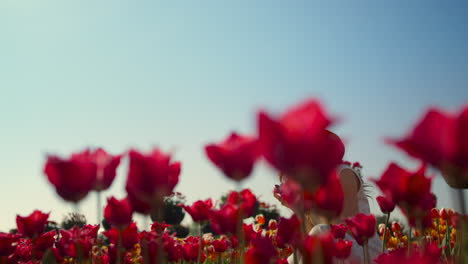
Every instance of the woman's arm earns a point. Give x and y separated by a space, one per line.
350 184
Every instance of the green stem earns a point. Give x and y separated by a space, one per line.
199 243
419 225
438 231
119 247
366 253
409 240
98 207
384 243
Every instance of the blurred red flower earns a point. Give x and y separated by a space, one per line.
262 251
362 227
338 231
33 225
77 242
225 220
318 248
298 144
199 211
329 198
130 236
289 231
220 245
410 190
106 168
72 178
342 249
7 243
235 156
118 212
440 139
245 200
151 177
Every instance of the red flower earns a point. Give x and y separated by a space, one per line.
118 212
318 249
191 251
45 241
150 178
262 251
159 227
33 225
339 231
130 236
245 200
362 227
290 193
7 243
220 245
328 205
298 145
225 219
386 205
77 241
289 231
235 156
199 211
72 178
343 249
250 233
106 168
440 140
410 190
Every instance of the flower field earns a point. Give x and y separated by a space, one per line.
299 146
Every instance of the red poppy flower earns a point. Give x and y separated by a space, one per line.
33 225
199 211
235 156
440 139
299 145
118 212
150 178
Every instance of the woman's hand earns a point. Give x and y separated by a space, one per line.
277 195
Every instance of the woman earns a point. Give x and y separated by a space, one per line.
355 201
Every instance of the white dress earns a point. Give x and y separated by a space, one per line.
357 254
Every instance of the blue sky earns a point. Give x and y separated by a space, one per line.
180 74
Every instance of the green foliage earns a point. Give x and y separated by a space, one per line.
180 230
73 219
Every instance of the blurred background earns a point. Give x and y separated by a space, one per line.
181 74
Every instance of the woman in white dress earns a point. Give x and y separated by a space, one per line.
355 202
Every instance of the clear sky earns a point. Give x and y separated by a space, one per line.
180 74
